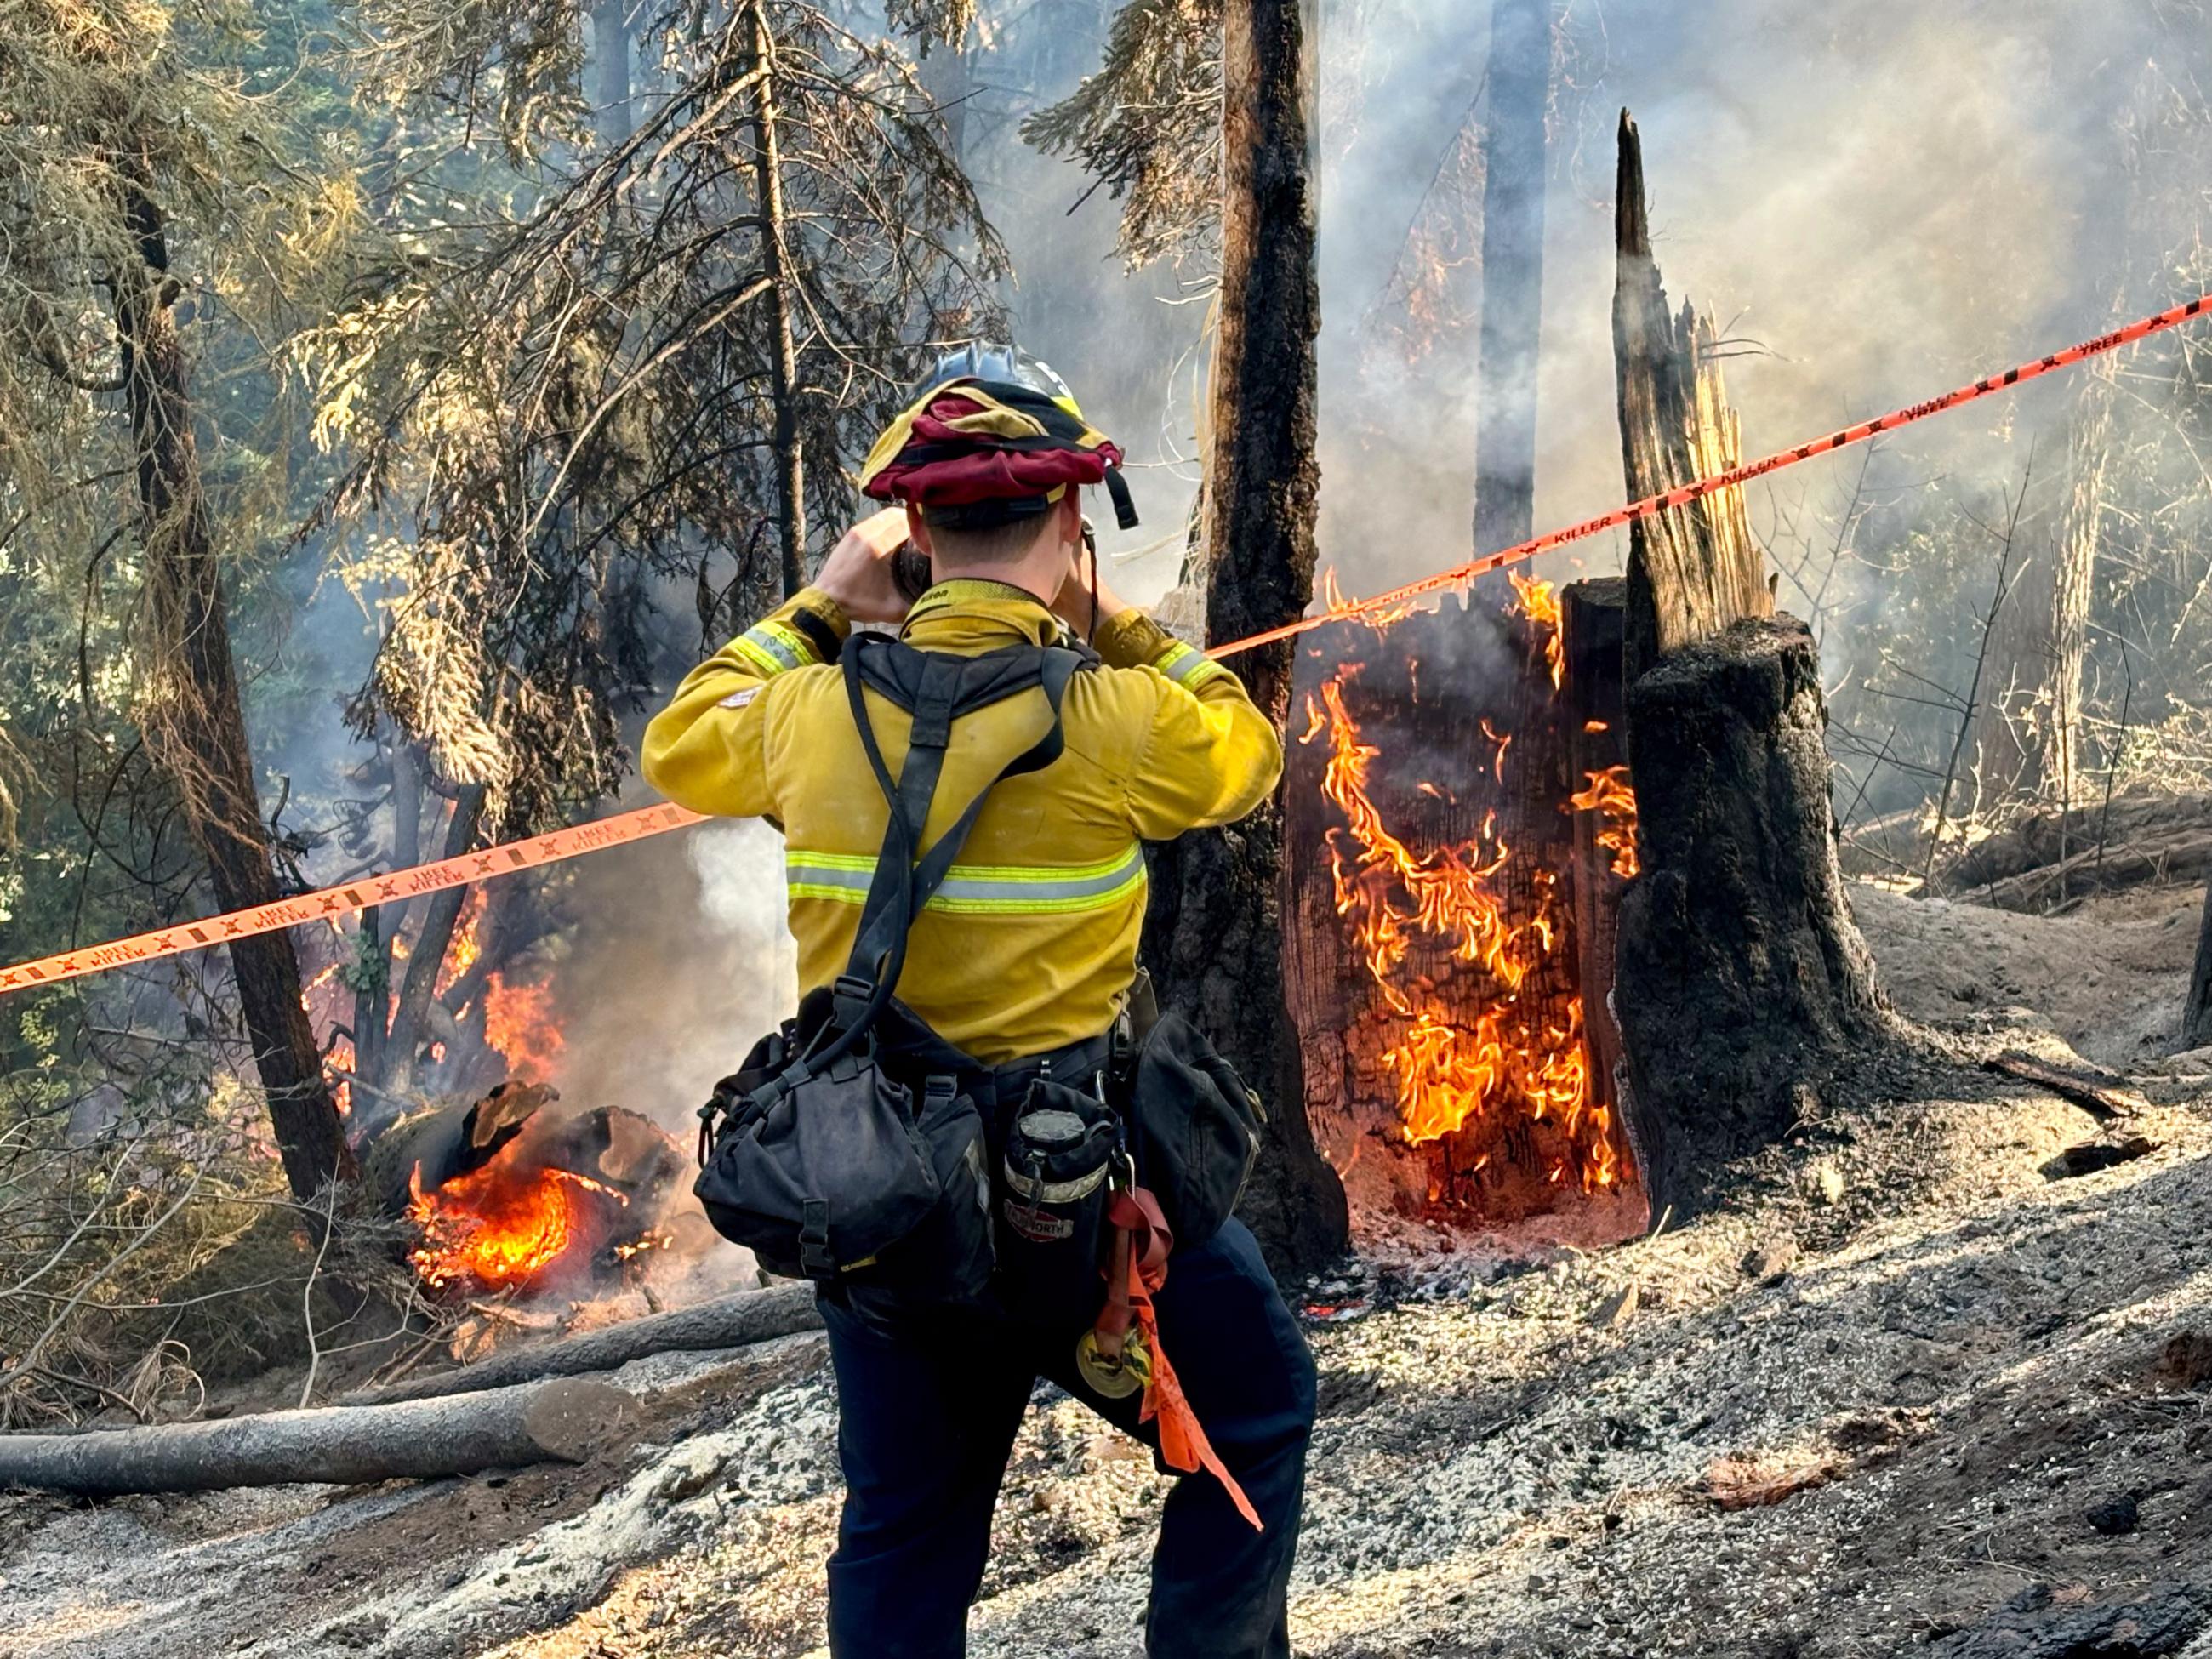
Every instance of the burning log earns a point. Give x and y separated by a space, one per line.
1740 973
562 1421
505 1195
729 1321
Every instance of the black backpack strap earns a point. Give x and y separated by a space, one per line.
943 688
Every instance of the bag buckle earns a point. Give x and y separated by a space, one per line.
815 1259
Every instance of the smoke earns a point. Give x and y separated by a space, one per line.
679 959
1877 203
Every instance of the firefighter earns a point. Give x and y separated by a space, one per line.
1024 960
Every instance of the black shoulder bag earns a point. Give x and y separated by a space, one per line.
813 1156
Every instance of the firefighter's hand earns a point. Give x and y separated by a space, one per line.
857 574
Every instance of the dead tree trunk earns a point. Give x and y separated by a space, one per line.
1215 932
2073 580
728 1321
1512 273
775 265
1741 973
2196 1011
204 741
562 1421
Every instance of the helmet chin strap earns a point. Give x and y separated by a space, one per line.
1125 509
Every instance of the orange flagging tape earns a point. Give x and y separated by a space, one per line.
349 895
659 820
1690 492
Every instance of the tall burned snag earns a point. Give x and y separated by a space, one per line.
1740 975
1215 932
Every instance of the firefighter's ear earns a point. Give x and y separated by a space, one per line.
917 530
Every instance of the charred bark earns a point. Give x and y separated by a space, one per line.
206 742
1595 725
1215 932
729 1321
1741 975
1513 182
428 958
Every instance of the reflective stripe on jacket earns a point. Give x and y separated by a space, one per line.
1032 943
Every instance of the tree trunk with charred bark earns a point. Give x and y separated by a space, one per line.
1513 182
427 959
728 1321
204 741
775 263
1740 975
1215 936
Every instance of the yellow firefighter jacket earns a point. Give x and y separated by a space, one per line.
1032 943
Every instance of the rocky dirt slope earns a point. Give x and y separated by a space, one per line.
1922 1388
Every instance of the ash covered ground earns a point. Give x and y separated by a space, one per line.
1917 1389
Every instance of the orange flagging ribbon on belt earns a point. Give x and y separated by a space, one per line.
659 820
1141 1247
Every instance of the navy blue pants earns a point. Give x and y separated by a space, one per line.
926 1419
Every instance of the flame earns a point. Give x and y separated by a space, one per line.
498 1226
1332 599
1609 793
1540 603
1451 1067
467 944
1446 893
519 1023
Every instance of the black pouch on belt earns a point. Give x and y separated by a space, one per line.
1053 1182
1193 1127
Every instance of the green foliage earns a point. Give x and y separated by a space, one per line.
1148 127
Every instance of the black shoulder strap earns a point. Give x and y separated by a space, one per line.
938 688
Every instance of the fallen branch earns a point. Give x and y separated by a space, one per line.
561 1421
2097 1096
2171 860
729 1321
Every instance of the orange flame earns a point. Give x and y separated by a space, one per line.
1609 793
1540 603
496 1226
519 1023
467 944
1448 1068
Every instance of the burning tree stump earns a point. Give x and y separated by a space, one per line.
1434 975
505 1194
1740 974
